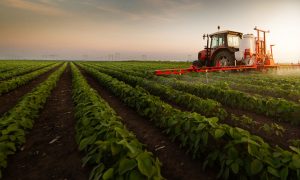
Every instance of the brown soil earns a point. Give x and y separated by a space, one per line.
42 157
8 100
176 163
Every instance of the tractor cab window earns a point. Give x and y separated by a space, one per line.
217 40
233 41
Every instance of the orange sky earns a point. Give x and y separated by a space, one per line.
159 29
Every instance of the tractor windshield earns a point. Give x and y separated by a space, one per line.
233 41
217 40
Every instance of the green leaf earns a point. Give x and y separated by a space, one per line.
233 153
213 121
122 132
26 123
131 148
273 171
109 174
12 137
86 141
97 172
235 167
136 175
85 121
296 161
205 138
145 164
126 165
284 173
115 149
10 128
256 166
253 150
187 125
297 150
219 133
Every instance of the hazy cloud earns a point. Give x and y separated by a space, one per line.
42 7
161 10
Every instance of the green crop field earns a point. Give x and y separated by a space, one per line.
118 120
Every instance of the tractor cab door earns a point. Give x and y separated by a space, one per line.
217 40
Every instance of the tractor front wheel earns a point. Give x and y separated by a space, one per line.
223 58
197 63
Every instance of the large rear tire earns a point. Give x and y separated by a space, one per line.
223 58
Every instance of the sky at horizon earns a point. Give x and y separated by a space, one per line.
139 29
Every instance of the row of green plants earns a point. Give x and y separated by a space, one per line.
282 82
6 65
206 107
145 68
22 70
234 151
18 81
268 128
126 69
16 122
142 66
273 91
5 68
112 150
277 108
286 91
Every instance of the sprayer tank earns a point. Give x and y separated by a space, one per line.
247 42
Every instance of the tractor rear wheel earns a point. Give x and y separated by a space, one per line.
223 58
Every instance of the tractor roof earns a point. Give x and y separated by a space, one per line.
227 32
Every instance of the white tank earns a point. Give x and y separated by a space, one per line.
247 42
239 55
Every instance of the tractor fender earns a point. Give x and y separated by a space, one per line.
202 55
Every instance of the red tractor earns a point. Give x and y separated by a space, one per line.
231 48
220 50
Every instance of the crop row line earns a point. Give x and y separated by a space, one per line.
22 70
13 83
15 123
110 148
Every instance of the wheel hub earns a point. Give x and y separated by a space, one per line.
223 61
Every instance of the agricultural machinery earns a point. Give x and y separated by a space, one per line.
230 50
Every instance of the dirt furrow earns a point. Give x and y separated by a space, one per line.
50 151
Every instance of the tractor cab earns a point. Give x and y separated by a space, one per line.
220 49
225 39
